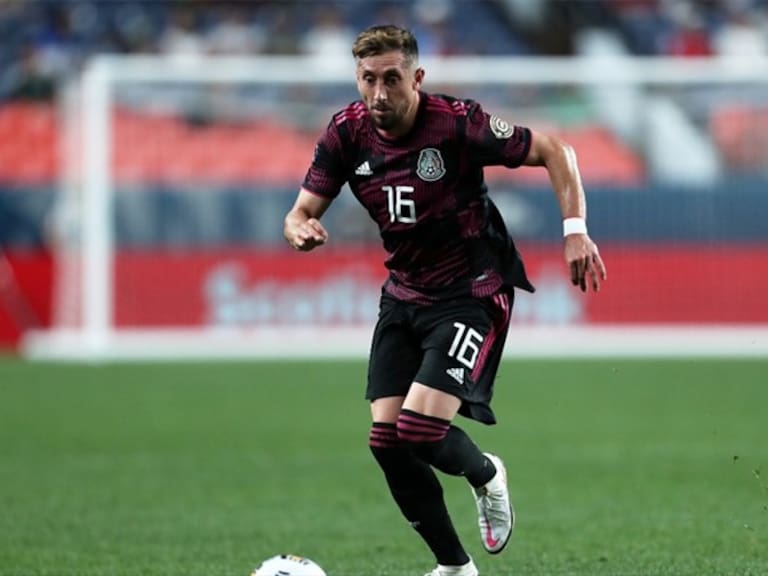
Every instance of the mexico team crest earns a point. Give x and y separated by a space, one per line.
430 166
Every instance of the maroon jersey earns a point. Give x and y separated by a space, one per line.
443 235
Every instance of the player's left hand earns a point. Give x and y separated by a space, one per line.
305 235
584 260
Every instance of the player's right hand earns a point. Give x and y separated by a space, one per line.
307 235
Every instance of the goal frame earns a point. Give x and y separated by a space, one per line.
91 335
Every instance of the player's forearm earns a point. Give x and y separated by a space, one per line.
559 159
566 180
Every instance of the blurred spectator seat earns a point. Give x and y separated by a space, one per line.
28 149
167 149
603 160
741 134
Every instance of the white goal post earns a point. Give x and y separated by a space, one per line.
85 326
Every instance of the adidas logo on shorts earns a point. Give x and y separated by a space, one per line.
457 374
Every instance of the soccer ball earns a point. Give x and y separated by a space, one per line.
288 565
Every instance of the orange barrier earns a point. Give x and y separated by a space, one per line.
164 149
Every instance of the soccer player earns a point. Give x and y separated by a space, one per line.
415 161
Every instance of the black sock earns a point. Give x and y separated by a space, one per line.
418 493
453 453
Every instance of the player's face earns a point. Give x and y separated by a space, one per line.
389 88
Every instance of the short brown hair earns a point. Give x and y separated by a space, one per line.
377 40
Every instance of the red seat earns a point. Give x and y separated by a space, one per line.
153 148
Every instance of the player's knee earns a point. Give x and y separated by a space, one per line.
389 453
383 435
416 429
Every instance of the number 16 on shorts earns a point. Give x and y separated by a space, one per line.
466 344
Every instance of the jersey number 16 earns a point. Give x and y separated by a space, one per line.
401 208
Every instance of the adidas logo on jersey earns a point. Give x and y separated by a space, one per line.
457 374
364 169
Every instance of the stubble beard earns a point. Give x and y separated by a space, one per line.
388 121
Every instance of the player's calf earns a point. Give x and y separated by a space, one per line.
418 493
446 447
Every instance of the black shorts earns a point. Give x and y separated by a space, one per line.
454 346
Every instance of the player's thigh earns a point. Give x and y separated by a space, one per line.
463 341
395 355
386 409
431 401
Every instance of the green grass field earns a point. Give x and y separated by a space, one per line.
616 467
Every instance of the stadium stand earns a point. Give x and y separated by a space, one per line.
48 40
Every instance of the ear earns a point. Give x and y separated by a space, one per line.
418 78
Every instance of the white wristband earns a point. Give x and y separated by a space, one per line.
574 226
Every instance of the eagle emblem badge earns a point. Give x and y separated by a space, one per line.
430 165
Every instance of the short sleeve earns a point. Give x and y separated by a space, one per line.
495 142
326 174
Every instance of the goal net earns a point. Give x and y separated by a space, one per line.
178 174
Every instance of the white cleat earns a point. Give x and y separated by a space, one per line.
495 515
468 569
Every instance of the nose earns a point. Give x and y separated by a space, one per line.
380 92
